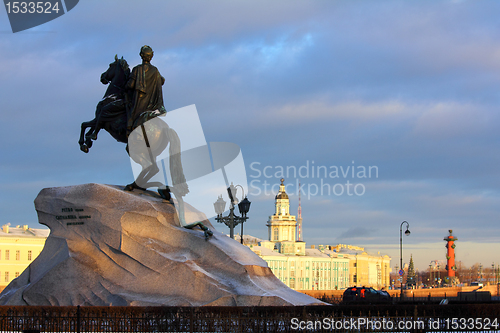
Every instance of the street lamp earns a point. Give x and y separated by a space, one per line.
439 276
219 206
430 274
407 233
497 270
232 220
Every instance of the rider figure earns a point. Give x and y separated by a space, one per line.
146 83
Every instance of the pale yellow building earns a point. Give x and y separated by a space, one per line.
365 269
298 267
313 271
322 268
19 246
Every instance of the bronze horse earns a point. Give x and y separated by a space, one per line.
110 112
144 144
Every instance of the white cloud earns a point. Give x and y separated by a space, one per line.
451 119
319 109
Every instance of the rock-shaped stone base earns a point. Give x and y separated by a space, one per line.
111 247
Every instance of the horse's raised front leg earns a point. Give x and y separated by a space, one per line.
84 142
92 133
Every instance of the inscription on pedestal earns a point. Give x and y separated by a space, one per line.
81 215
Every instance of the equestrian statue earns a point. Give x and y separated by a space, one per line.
128 111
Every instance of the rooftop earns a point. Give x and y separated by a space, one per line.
264 251
22 231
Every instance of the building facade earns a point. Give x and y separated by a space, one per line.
322 268
366 269
297 267
19 246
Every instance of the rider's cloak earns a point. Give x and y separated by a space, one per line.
147 100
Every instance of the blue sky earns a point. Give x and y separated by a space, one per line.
411 88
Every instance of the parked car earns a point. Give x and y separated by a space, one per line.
365 295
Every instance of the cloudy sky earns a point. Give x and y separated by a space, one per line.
408 90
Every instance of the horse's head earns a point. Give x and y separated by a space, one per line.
117 75
118 72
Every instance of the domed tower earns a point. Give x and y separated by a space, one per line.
282 226
282 203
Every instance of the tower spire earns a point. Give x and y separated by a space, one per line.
299 220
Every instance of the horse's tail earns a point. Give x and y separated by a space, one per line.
176 171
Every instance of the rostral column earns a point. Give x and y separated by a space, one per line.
450 255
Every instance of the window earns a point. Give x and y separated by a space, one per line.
18 255
7 255
6 275
29 255
17 274
275 234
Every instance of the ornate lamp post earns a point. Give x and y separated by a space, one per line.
232 220
243 207
407 233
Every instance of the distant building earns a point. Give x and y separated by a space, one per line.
323 268
19 246
365 269
282 226
298 267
